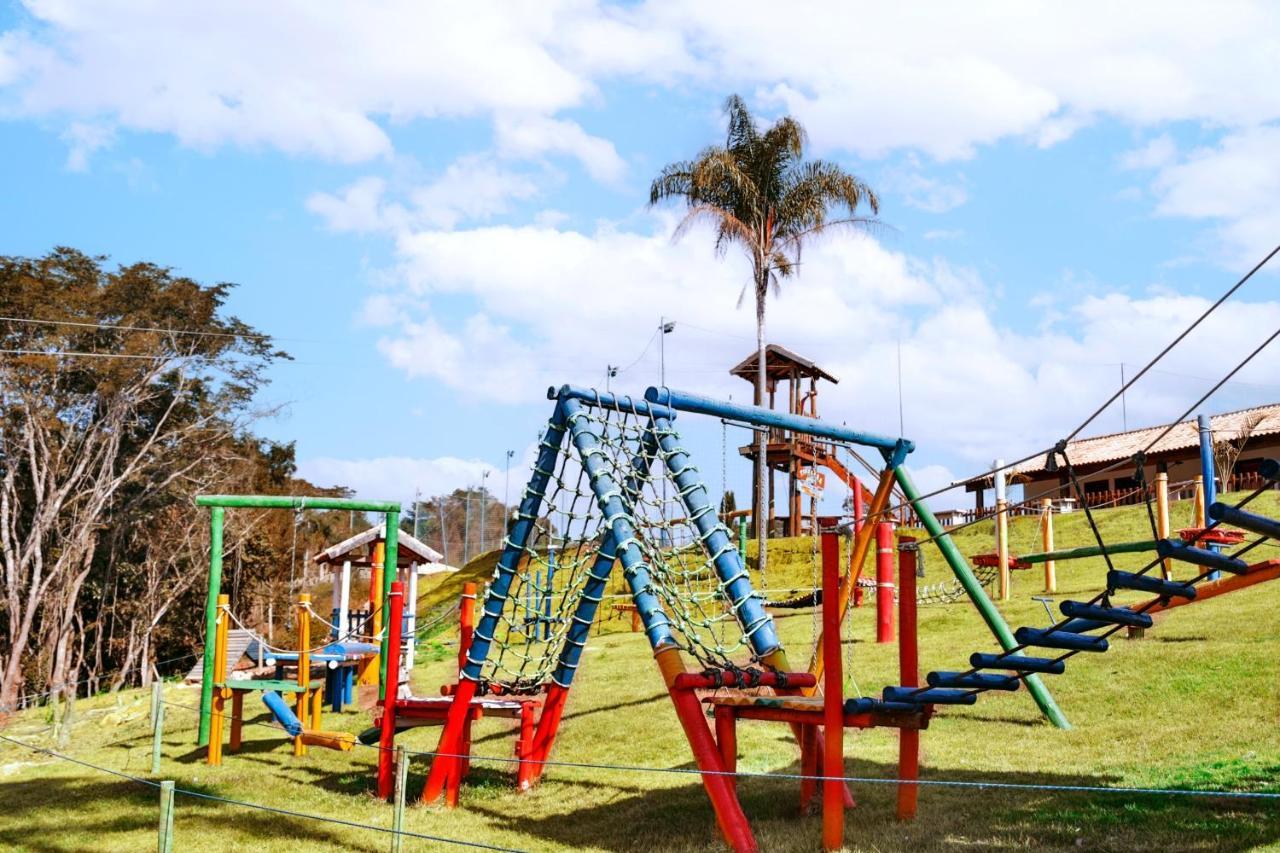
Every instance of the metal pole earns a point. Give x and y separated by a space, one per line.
986 608
484 506
444 537
466 527
1210 478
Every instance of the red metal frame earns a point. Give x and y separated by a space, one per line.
908 676
387 737
832 700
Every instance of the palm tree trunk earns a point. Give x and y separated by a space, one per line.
760 510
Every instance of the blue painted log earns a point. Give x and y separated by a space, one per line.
1114 615
1250 521
1017 663
1170 549
1059 640
1147 583
929 696
973 681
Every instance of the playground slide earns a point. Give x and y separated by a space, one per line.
282 712
342 741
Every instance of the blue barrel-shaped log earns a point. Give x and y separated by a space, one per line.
1098 613
973 680
1170 549
1250 521
929 696
282 712
1059 640
867 705
1147 583
1017 663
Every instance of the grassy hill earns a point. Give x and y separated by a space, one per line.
1193 705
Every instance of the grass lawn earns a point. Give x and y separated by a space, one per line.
1196 704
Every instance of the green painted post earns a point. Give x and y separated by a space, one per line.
389 562
157 735
401 782
990 614
1091 551
742 538
164 842
210 622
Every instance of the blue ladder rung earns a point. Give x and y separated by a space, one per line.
973 680
1017 663
1250 521
1103 615
1147 583
866 705
1082 626
929 696
1170 549
1059 640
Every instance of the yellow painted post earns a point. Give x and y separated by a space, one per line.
1002 546
1198 501
1162 518
304 667
214 755
1046 532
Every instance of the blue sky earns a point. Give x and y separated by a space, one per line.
440 211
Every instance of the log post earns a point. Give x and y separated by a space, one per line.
1046 533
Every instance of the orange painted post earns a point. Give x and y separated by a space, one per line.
304 668
237 719
1002 546
1162 518
387 733
1046 540
861 545
369 672
884 585
833 688
214 755
908 676
466 623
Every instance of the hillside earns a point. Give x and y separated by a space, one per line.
1194 705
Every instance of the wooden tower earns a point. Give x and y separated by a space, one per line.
788 452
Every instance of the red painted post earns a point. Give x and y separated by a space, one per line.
884 582
466 623
858 509
908 676
548 724
525 773
387 738
832 699
727 740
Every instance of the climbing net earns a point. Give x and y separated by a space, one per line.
571 535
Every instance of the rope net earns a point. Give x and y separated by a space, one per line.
569 536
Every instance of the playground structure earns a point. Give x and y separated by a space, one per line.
353 647
613 485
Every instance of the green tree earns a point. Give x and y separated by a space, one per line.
759 192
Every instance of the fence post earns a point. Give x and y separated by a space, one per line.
156 698
1162 518
164 843
1002 546
402 779
157 734
1046 532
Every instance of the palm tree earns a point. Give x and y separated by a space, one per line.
760 193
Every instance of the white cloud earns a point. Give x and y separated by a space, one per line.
327 79
1156 154
539 314
1235 182
84 139
398 477
932 195
533 137
357 208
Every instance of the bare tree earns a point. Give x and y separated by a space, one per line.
1227 450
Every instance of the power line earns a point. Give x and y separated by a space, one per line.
123 328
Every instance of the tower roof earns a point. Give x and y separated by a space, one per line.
780 363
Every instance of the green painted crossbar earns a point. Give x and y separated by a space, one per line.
269 684
1090 551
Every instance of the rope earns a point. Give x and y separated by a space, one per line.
250 805
749 774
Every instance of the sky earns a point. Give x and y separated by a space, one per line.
440 210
